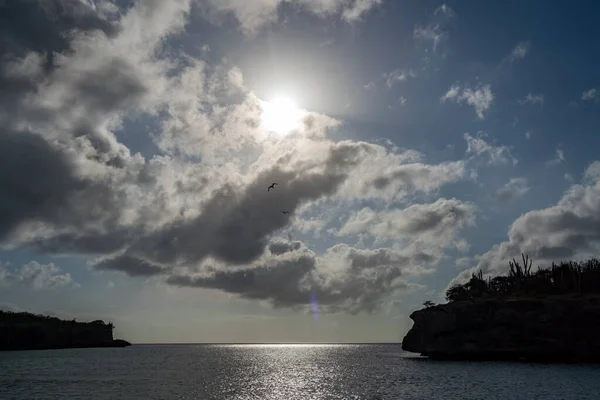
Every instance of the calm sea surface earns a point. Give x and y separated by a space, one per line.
279 372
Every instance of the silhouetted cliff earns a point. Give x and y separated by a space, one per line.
25 331
548 329
549 315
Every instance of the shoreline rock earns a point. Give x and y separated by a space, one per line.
550 329
25 331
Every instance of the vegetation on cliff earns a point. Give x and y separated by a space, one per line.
550 314
565 278
21 331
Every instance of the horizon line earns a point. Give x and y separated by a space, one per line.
260 343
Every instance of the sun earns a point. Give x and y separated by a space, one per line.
281 115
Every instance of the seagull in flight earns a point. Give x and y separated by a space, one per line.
272 186
285 212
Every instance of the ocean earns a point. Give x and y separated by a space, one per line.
280 372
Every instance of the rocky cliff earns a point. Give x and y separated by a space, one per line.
537 329
24 331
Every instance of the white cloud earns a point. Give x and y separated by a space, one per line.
519 52
435 224
358 9
479 147
255 14
396 76
82 191
515 187
392 78
533 99
589 95
434 31
568 177
567 231
560 157
444 9
431 33
35 276
481 98
462 261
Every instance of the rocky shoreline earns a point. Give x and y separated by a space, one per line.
546 329
25 331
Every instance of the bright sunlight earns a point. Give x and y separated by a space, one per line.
281 115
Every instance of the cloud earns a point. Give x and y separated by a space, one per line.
62 110
481 98
358 9
35 276
462 261
568 177
392 78
417 177
560 157
519 52
10 307
532 99
528 135
566 231
396 76
479 147
434 32
589 95
197 213
435 223
444 9
253 15
516 187
235 224
342 279
430 33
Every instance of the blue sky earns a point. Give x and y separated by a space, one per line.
425 140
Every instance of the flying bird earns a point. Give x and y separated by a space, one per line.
272 186
285 212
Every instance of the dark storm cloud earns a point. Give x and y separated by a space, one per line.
277 281
60 172
235 226
35 180
84 242
344 279
45 25
279 248
38 183
131 266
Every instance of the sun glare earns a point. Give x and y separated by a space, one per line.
281 115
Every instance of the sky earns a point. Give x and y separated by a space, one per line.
412 143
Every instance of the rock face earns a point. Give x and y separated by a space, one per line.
548 329
23 331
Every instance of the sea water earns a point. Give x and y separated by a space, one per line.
280 372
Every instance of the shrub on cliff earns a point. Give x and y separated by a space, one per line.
564 278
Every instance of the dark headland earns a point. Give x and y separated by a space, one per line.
549 315
25 331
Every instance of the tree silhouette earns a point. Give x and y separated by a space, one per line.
428 303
